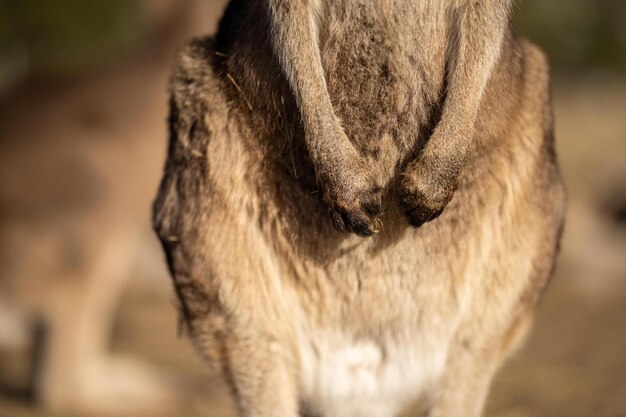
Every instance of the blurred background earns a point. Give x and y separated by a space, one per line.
88 325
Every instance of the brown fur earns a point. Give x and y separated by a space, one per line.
303 108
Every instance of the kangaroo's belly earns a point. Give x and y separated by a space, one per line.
346 377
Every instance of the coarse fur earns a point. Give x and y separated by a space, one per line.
302 120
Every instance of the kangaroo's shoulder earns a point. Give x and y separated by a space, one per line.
200 97
197 81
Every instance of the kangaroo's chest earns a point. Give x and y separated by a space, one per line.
346 377
384 63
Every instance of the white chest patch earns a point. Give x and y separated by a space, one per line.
342 378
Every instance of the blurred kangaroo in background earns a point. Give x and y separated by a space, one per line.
78 169
302 120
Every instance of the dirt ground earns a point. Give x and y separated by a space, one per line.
574 364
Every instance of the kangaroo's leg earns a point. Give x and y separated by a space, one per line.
233 305
248 349
429 182
262 375
342 174
465 383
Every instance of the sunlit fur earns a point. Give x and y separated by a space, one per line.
300 121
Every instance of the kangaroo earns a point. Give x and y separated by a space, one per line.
77 169
303 127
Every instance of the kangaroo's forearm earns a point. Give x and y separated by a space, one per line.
344 179
479 29
295 43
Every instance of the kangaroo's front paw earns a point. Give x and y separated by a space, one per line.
425 190
354 199
358 215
